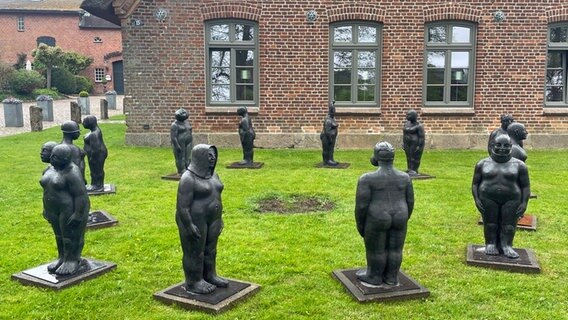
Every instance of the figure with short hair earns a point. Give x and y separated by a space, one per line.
96 153
413 138
506 120
518 134
384 203
247 136
182 140
328 136
72 132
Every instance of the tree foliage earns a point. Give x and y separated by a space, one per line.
48 56
26 81
75 62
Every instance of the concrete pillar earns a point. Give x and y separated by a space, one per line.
85 104
76 112
104 109
46 104
13 115
36 118
111 98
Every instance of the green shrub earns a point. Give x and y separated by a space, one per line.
6 72
25 81
53 93
83 84
83 94
64 81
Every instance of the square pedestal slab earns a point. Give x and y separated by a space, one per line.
172 176
421 176
237 165
341 165
100 219
407 288
218 301
108 189
525 263
40 277
527 222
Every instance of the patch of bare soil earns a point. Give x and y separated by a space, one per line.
294 204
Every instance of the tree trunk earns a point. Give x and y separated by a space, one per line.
48 74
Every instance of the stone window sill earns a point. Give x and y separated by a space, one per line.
229 110
448 111
357 110
555 111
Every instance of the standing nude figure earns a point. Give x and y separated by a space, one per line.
506 120
384 203
328 136
182 140
413 139
198 217
518 134
72 132
66 207
97 153
501 191
247 135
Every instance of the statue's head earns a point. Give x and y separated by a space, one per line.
90 122
71 128
46 150
241 111
331 109
181 114
60 156
203 160
517 131
383 152
506 120
501 148
412 115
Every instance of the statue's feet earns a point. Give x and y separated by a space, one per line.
67 268
391 280
412 173
218 281
331 163
363 276
510 253
491 250
53 266
97 188
200 287
245 163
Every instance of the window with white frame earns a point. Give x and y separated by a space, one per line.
232 63
355 63
449 64
21 24
99 74
557 66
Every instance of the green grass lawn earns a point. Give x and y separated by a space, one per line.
290 256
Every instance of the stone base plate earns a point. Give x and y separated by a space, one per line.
109 189
172 176
533 196
218 301
40 277
421 176
237 165
341 165
526 263
527 222
100 219
407 288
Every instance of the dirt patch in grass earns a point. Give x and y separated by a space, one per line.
294 204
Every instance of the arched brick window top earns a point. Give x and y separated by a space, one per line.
451 11
557 14
345 12
231 10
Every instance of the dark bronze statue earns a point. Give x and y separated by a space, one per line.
65 206
72 132
182 140
328 136
247 135
414 138
96 153
45 153
518 134
501 191
384 203
199 221
506 120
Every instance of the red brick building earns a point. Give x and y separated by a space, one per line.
460 64
25 23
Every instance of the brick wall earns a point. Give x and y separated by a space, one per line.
164 65
65 29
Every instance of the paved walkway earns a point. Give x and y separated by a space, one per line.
61 113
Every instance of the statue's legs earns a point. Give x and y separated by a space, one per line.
508 228
97 173
210 259
73 236
396 238
180 161
54 222
248 151
376 232
187 155
491 226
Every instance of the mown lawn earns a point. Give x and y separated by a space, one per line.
290 256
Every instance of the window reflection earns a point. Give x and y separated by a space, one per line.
437 34
219 32
460 34
367 34
244 32
343 34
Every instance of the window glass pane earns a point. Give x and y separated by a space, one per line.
366 76
554 77
366 93
220 75
554 94
437 34
435 76
219 32
342 93
436 59
342 59
460 76
554 59
558 34
244 57
245 92
460 34
244 32
367 34
435 93
458 93
343 34
220 93
460 59
366 59
342 76
245 75
221 58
